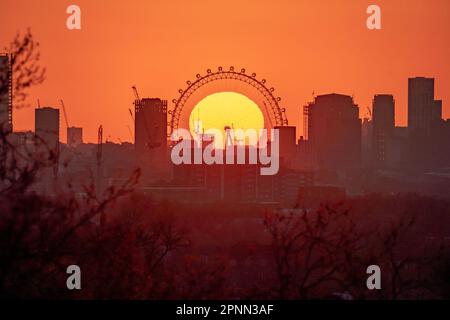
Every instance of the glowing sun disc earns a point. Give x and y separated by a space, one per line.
226 109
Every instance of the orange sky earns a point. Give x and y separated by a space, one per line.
298 46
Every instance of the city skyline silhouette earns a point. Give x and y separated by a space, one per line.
93 68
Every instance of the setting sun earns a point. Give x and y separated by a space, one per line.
226 109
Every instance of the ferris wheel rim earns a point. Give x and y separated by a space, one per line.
277 112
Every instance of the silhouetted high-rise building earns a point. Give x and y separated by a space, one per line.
436 115
383 125
288 147
422 108
151 137
150 126
334 131
47 127
74 136
424 124
5 93
366 142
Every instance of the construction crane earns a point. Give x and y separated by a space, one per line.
131 133
229 141
131 114
133 121
99 172
137 104
369 112
65 114
99 159
99 145
136 94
